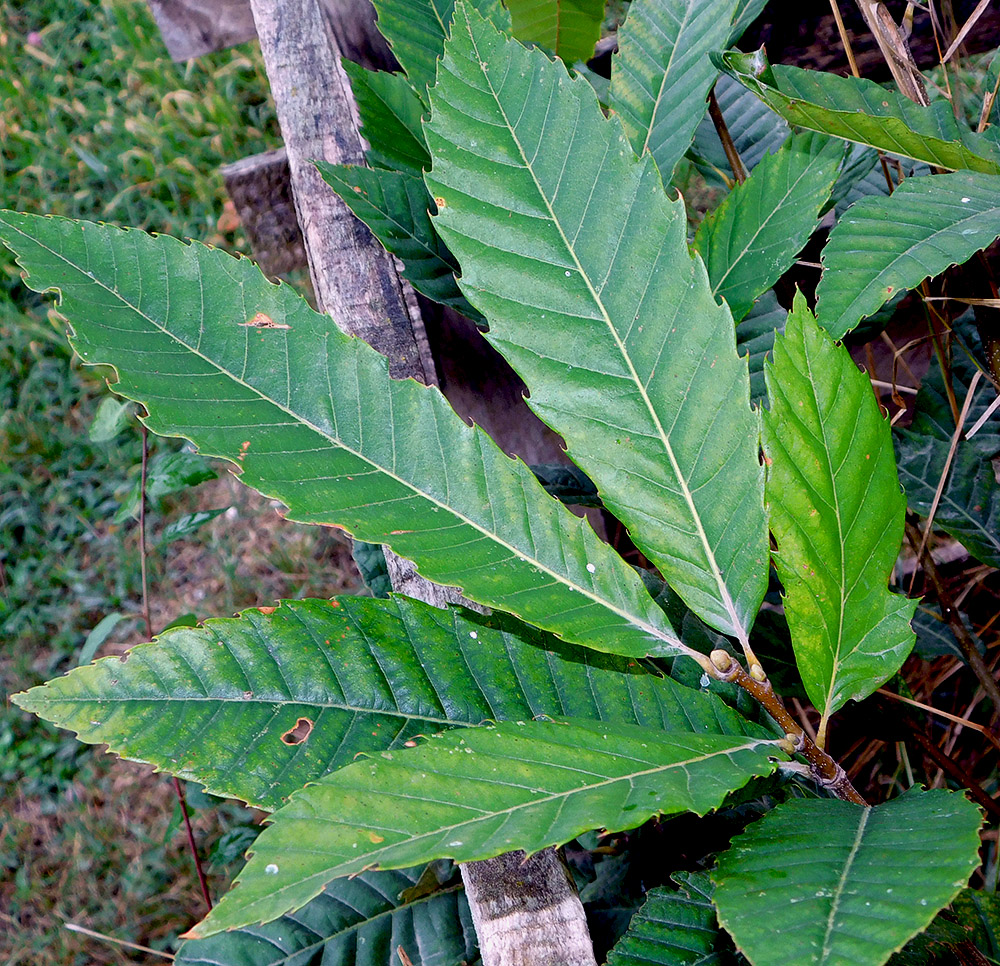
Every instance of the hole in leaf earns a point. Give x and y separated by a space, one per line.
295 736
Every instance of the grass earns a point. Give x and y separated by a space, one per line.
96 122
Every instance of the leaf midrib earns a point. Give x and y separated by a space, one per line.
511 810
842 883
714 568
656 632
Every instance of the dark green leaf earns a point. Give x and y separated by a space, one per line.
390 113
886 245
396 207
747 12
662 74
860 110
247 371
360 921
754 236
416 31
843 885
675 927
755 338
755 129
479 793
579 260
370 559
836 514
567 484
221 703
570 28
934 635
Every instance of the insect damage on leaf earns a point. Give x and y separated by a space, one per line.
262 321
295 736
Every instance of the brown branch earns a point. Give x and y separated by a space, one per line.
824 769
950 613
732 155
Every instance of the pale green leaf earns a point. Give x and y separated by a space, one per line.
572 250
248 372
218 704
570 28
885 245
479 793
416 31
755 129
860 110
396 207
360 921
822 881
836 514
662 73
110 419
754 236
675 927
390 112
186 525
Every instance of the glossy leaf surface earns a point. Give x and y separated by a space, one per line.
390 112
886 245
396 207
836 514
360 921
862 111
754 236
478 794
662 73
841 884
248 372
570 28
219 704
573 251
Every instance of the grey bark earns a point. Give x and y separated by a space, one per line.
261 189
521 919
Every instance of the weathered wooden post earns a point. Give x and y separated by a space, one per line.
526 912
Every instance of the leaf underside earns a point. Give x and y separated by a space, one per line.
860 110
248 372
836 514
479 793
661 74
853 892
754 236
674 927
360 921
885 245
572 250
219 704
396 207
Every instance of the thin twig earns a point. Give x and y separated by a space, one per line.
732 155
147 617
952 449
73 927
947 765
964 32
192 845
844 39
965 642
930 709
142 535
